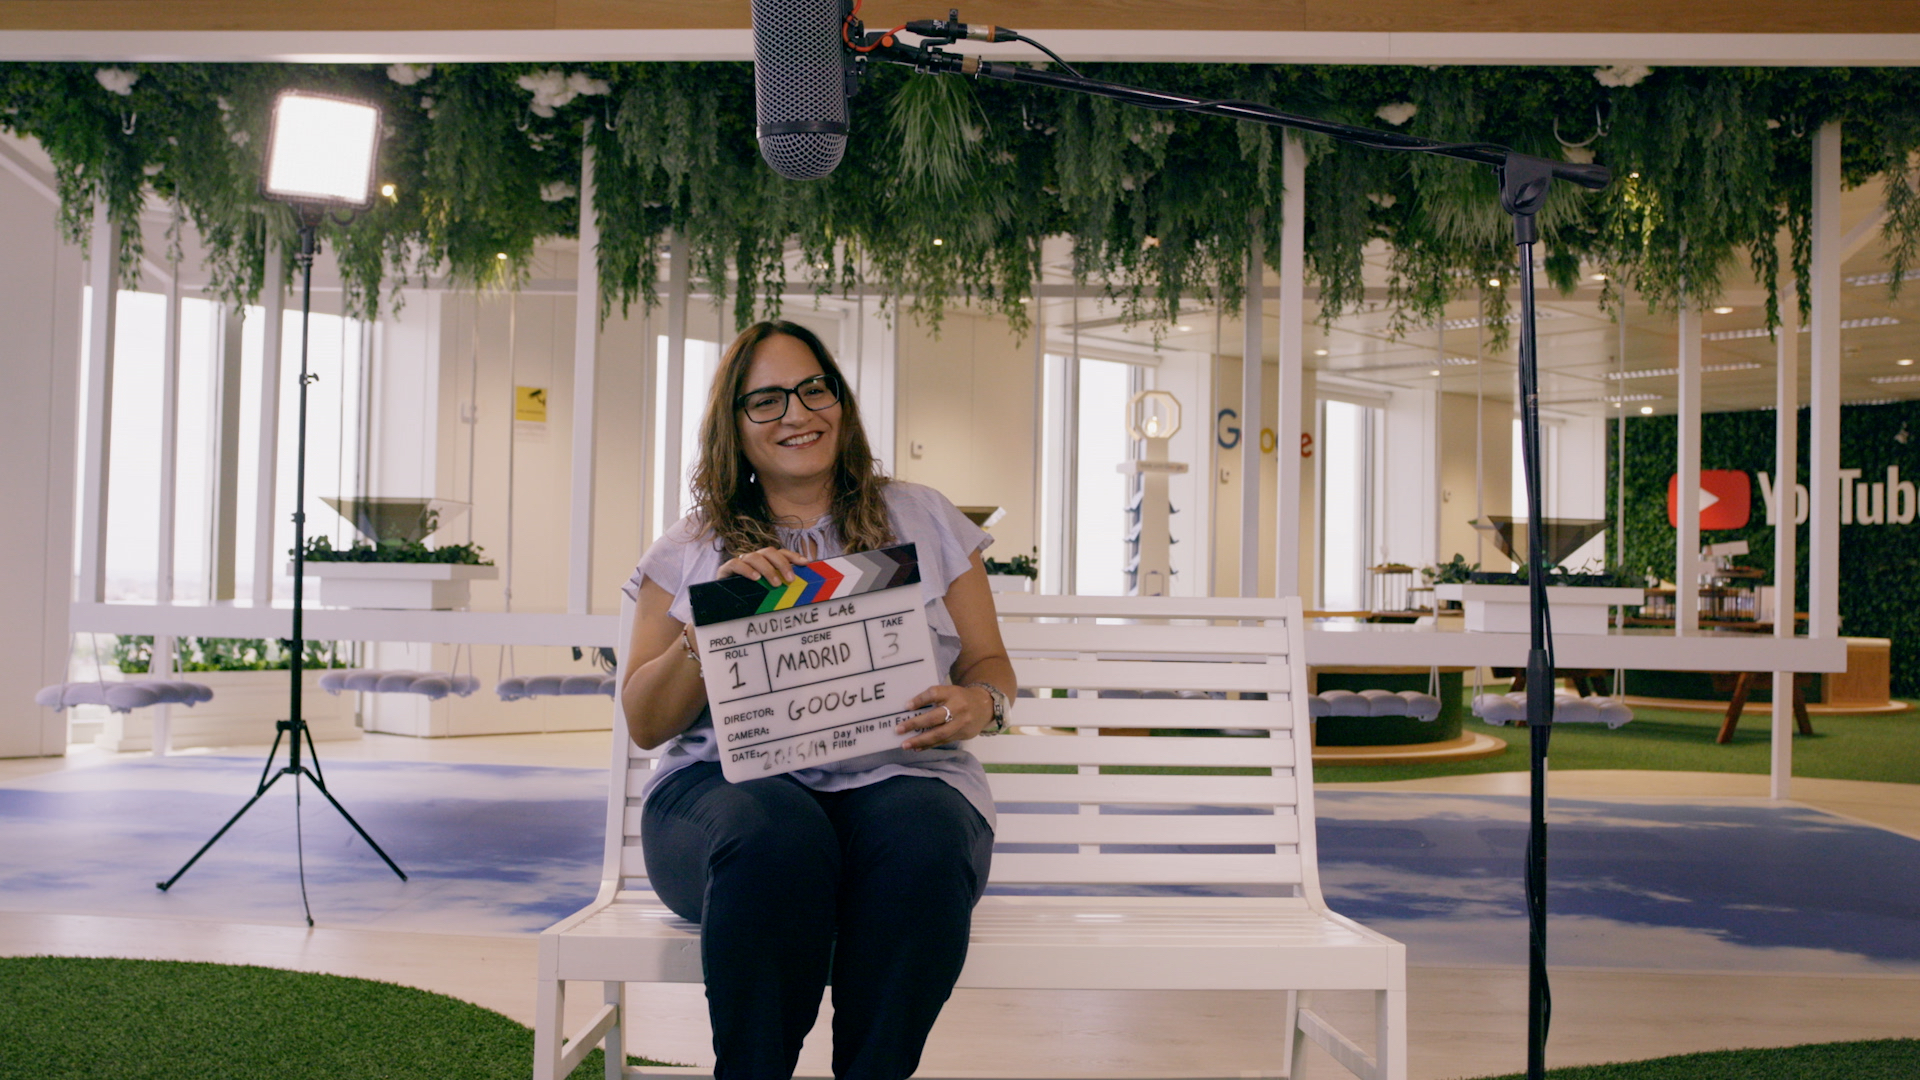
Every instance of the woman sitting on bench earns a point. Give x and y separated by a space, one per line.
865 870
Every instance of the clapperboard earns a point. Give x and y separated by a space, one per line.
816 670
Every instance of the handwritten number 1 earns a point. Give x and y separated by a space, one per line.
738 682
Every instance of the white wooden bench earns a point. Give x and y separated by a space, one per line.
1287 941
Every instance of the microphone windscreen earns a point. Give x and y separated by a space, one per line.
799 86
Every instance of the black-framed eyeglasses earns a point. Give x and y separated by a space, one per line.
769 403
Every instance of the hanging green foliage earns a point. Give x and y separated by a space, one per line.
948 187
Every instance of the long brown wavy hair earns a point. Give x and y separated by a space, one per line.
734 508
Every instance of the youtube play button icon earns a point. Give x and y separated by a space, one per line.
1726 499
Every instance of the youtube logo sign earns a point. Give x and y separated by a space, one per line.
1726 499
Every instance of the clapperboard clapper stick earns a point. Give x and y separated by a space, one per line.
816 670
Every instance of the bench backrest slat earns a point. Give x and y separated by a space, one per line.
1237 806
1260 752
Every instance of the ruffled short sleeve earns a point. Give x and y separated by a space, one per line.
675 561
943 537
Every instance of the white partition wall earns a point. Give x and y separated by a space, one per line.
40 290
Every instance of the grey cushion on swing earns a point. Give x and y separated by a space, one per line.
530 686
1370 703
123 696
1499 709
432 684
545 685
433 687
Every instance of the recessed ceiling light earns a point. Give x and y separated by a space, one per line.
1435 371
1905 361
389 190
500 255
937 241
1645 410
1494 281
1596 277
1616 404
1184 329
1319 352
1723 310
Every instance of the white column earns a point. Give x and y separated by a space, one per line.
1686 544
672 467
103 259
169 440
1251 364
161 666
264 518
1786 533
1823 593
586 352
1286 426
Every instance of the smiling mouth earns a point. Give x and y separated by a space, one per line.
798 441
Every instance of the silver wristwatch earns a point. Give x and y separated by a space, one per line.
998 725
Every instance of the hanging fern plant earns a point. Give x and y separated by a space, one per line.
948 189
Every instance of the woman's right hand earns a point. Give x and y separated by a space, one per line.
768 564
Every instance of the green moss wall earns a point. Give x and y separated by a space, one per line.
1879 563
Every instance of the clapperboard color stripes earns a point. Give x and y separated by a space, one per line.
816 670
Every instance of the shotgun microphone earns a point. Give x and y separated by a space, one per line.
799 85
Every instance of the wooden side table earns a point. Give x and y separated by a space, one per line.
1741 684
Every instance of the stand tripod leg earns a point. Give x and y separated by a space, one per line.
395 867
163 886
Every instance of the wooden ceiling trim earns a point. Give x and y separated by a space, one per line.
1225 16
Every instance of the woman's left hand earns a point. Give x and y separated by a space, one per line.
951 713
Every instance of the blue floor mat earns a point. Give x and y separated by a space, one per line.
1661 884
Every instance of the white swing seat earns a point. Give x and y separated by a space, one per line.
1500 709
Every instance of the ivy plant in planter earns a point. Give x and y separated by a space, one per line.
133 654
396 573
1013 575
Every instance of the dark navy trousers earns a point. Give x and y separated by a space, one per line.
872 887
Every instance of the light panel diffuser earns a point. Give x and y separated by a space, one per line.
322 150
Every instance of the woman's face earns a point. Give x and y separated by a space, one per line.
802 445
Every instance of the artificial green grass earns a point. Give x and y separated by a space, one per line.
64 1018
1884 747
1881 1059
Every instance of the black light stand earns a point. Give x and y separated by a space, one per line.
294 729
1524 182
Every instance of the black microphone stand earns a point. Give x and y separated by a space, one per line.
294 728
1524 182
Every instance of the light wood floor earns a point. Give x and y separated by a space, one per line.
1466 1022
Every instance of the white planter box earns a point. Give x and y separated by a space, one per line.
397 586
1009 582
1502 609
242 713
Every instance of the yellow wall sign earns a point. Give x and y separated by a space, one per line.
530 403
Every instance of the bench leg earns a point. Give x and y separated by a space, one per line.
549 1014
614 994
1390 1034
1800 708
1742 686
1297 1046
